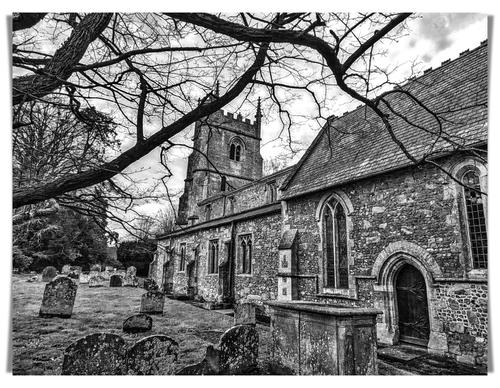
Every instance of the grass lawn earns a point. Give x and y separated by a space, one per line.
38 343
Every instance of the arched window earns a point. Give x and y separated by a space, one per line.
476 219
213 256
245 245
336 266
182 261
235 151
223 183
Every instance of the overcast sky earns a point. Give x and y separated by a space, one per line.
432 39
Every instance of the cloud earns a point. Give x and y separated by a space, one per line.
439 28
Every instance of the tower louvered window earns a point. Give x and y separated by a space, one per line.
476 219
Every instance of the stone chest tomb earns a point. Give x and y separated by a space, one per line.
315 339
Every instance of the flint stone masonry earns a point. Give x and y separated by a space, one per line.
115 281
315 339
152 302
153 355
49 273
96 354
138 323
58 298
238 350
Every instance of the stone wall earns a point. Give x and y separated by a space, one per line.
414 212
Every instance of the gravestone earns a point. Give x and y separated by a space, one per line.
84 278
153 355
152 302
150 285
115 281
138 323
74 273
208 366
49 273
95 268
96 354
97 281
245 314
58 298
238 350
65 269
132 271
130 279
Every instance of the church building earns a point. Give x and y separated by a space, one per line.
354 222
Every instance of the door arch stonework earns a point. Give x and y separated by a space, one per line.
387 265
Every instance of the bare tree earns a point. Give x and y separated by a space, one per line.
154 73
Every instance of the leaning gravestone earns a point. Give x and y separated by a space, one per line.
49 273
152 302
115 281
58 298
97 281
138 323
153 355
150 285
96 354
65 269
238 350
244 314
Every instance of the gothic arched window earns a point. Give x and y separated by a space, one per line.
336 266
213 256
245 253
476 219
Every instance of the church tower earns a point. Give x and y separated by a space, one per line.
226 155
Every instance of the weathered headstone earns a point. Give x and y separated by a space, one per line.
132 271
49 273
130 279
153 355
84 278
238 350
138 323
96 354
208 366
150 285
152 302
96 268
74 273
58 298
244 314
115 281
97 281
65 269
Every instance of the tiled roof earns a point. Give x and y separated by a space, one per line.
357 145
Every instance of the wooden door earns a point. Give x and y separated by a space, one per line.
413 313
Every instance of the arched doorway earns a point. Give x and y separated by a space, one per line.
413 312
